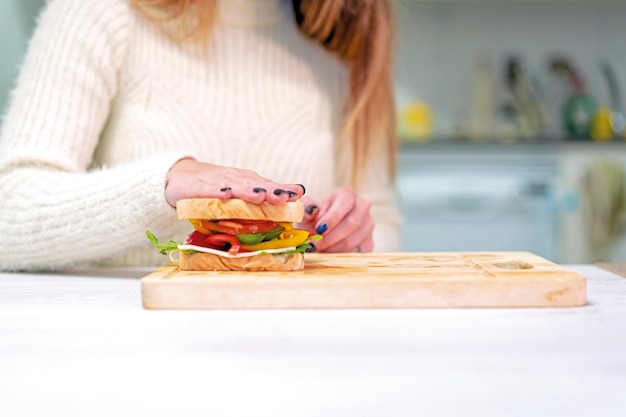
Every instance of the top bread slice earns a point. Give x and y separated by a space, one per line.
218 209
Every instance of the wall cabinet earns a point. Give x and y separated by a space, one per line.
479 198
505 198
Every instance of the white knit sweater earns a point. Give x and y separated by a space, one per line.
105 104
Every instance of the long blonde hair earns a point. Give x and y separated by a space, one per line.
358 31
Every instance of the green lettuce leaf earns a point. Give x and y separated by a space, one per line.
166 247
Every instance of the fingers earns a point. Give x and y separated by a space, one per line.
259 191
334 208
249 186
355 228
193 179
311 209
344 221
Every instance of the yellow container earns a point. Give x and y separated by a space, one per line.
416 122
601 128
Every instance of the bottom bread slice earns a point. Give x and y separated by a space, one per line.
200 261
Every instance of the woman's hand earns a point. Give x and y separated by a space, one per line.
189 178
343 218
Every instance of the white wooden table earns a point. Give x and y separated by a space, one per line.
80 344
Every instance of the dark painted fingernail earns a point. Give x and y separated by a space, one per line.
303 188
291 194
321 228
310 209
259 189
312 248
278 191
225 189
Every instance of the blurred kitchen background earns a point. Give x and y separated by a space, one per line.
510 116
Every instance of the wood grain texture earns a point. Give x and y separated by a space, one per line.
393 280
619 269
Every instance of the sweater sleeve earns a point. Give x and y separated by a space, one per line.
55 210
378 188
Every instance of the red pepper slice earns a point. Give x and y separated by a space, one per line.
196 238
219 241
224 242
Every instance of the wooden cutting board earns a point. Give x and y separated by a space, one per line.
396 280
619 269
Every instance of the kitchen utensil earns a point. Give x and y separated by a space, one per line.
617 121
579 109
481 117
400 280
530 117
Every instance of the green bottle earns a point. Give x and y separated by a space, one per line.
578 114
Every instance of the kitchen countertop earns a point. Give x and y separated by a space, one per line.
80 344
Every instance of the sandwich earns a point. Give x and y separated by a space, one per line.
234 235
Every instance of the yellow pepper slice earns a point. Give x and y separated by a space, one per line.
287 226
291 238
196 225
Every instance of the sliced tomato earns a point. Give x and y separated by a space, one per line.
234 227
255 226
228 223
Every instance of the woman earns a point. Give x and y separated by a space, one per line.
124 107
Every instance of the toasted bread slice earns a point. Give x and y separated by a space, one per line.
217 209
